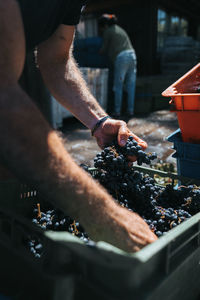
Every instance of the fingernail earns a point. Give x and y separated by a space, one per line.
123 142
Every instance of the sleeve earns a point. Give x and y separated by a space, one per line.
73 12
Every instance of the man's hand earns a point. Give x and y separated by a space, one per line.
112 129
126 230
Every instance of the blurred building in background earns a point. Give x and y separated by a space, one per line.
165 35
150 24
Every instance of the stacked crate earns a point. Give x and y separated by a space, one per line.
185 101
187 156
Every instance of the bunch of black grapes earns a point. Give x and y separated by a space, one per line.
139 193
53 219
184 198
162 208
34 245
117 157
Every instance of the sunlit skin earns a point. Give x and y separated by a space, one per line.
34 152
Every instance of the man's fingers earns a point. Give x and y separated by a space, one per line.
123 135
140 142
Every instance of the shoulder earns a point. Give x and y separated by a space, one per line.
119 28
121 31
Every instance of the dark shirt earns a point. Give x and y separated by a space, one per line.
115 40
42 17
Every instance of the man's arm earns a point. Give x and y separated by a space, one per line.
63 78
64 81
35 153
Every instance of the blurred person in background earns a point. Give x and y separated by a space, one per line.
30 148
118 47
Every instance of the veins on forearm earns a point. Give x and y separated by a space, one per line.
68 86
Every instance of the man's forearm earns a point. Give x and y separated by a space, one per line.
67 85
35 153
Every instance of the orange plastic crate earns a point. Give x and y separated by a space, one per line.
189 123
185 92
185 97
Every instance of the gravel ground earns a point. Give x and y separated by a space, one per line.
153 128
